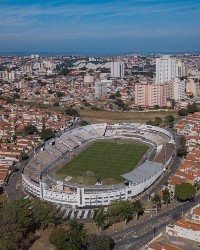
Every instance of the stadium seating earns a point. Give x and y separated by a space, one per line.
72 139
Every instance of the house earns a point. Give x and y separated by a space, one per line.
185 229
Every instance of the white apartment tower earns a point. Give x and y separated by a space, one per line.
165 69
181 69
117 68
100 89
6 75
179 88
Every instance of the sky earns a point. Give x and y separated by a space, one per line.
100 26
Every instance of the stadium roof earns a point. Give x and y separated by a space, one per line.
143 172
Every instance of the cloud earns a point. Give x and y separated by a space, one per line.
88 19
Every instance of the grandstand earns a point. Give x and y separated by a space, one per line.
39 183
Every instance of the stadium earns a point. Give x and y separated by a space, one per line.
155 153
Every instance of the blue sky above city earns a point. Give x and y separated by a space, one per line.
100 26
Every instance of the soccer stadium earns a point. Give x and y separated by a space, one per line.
93 165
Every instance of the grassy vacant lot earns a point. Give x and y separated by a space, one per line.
106 116
107 159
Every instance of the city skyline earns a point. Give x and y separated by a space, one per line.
87 26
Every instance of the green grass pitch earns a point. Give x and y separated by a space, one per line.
108 159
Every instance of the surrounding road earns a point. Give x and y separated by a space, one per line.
14 188
136 236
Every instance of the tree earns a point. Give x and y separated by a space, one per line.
64 71
56 104
127 211
156 200
192 108
183 112
44 214
99 242
118 95
182 141
60 239
149 122
138 208
169 119
83 68
112 96
121 104
173 103
20 219
77 234
157 121
16 221
17 90
84 123
30 130
16 96
185 191
181 151
47 134
14 168
105 70
50 91
95 108
23 156
120 211
156 107
100 217
28 241
60 94
14 138
71 112
11 235
166 196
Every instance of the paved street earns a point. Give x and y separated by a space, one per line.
14 189
134 237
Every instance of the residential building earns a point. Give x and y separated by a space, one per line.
165 69
185 229
181 69
117 68
26 68
100 89
149 95
196 213
178 89
88 78
193 86
6 75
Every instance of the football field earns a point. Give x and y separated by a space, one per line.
105 160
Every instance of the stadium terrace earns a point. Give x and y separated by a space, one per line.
38 181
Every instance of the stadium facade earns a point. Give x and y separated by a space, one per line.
39 183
